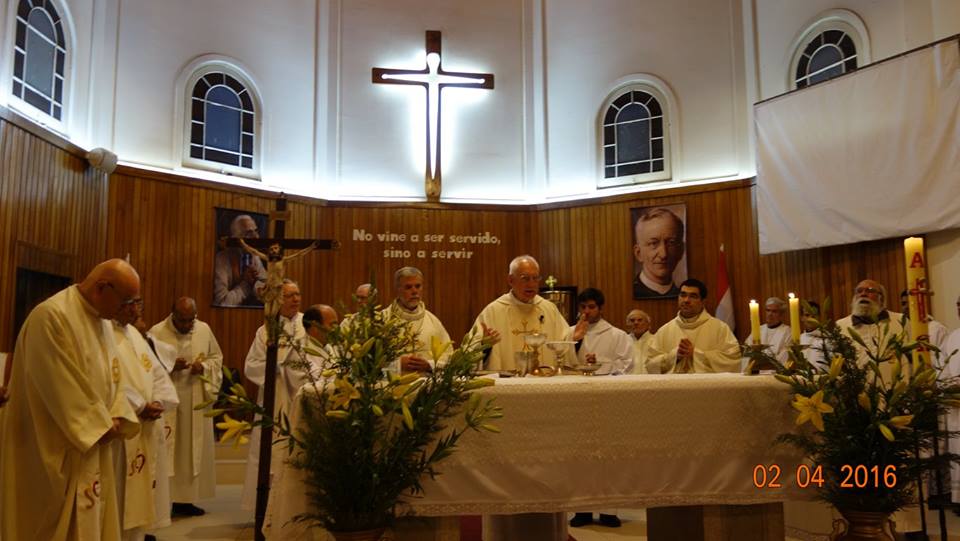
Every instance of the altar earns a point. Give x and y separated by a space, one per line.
577 443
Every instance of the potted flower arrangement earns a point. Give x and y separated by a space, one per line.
367 436
867 421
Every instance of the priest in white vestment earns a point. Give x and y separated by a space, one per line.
198 354
139 460
868 316
164 358
950 345
66 407
638 328
505 322
774 333
597 341
289 380
408 306
694 341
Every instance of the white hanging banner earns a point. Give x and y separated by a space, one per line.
873 154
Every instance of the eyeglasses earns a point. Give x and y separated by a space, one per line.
528 278
867 291
124 302
184 321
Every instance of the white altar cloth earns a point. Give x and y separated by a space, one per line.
572 443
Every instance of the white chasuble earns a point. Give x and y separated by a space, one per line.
58 481
514 319
194 473
715 347
425 326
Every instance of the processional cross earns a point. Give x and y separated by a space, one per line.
272 250
434 78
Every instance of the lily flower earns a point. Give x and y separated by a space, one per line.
344 393
811 409
437 347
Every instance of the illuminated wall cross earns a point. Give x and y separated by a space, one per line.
434 79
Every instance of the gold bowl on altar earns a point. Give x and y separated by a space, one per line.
587 369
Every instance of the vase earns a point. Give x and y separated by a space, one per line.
863 526
375 534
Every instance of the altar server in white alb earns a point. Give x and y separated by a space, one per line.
57 474
142 460
638 329
517 313
198 354
505 322
408 306
290 377
694 341
597 341
774 333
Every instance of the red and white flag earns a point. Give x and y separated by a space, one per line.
724 297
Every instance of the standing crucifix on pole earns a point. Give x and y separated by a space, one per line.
272 251
434 79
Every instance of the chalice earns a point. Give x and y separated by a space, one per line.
559 349
534 341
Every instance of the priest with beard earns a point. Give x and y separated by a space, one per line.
694 341
503 323
409 307
868 314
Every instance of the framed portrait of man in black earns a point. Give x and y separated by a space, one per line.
238 275
659 250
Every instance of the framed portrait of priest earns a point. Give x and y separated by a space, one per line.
237 275
659 250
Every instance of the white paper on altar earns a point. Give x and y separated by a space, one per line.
870 155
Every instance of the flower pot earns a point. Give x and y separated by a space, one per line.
862 526
376 534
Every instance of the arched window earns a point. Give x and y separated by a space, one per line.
223 123
39 57
826 56
634 138
836 43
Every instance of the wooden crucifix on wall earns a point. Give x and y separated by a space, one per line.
273 252
434 79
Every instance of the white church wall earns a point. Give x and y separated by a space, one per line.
81 17
382 127
694 47
893 26
274 41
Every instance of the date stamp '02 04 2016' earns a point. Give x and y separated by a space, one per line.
852 476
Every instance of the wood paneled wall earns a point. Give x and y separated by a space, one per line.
55 209
591 245
167 226
835 271
52 209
